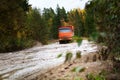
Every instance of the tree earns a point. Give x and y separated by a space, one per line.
76 18
90 24
58 20
107 19
37 26
48 15
12 25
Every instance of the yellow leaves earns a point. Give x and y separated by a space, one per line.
21 34
78 10
83 11
63 23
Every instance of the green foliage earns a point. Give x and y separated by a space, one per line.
17 30
60 55
78 69
90 25
76 18
68 57
24 4
13 32
99 16
78 40
78 54
106 18
37 26
94 36
14 44
95 77
78 78
48 15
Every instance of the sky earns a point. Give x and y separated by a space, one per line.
67 4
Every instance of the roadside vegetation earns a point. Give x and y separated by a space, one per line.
98 21
20 31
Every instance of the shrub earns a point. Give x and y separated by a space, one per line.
68 57
78 69
59 55
78 54
95 77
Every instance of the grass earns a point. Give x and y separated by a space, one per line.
78 69
59 55
78 78
95 77
68 57
78 54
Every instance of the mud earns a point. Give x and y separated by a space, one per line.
29 63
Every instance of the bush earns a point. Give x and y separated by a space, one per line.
95 77
78 54
78 69
10 44
68 57
59 55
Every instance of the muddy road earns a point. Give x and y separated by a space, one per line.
27 64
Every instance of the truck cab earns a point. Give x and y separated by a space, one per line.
65 34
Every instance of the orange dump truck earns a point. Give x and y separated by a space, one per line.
66 33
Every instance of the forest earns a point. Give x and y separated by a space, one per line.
21 26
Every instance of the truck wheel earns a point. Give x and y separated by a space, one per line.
60 41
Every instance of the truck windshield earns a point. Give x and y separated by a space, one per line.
64 30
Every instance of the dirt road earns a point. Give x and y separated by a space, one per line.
27 64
